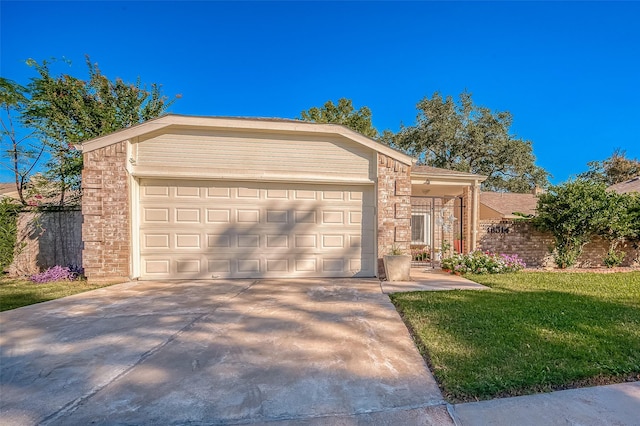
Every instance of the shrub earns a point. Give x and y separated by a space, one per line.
57 273
479 262
613 258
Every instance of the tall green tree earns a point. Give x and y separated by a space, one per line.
66 110
469 138
343 113
22 151
615 169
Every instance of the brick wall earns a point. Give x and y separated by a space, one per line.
394 207
534 247
105 210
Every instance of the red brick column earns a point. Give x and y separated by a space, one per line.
106 216
394 206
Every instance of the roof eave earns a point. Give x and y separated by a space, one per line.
461 177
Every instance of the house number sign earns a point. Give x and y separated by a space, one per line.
498 229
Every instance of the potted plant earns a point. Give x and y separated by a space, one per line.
457 243
397 265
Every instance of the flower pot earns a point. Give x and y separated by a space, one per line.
397 267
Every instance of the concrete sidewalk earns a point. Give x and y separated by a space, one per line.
427 279
598 406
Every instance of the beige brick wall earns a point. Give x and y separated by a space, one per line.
105 209
534 247
394 207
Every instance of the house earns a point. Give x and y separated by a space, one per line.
628 186
8 190
185 197
507 205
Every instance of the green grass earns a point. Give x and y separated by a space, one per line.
15 293
532 332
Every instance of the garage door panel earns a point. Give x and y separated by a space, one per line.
237 230
156 267
156 215
219 215
188 192
188 241
156 241
218 241
277 216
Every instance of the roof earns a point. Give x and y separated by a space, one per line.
7 188
508 203
274 125
428 170
631 185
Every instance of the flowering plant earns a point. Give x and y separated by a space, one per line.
479 262
57 273
420 253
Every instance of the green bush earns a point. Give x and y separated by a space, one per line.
8 231
613 258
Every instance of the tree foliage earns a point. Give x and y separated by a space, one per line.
577 211
469 138
343 113
8 231
66 110
22 153
622 221
615 169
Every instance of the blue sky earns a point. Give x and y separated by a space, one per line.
568 72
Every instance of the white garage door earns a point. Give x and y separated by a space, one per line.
216 229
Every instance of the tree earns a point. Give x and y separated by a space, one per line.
615 169
468 138
23 156
574 213
343 113
66 111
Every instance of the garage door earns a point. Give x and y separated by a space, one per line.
206 229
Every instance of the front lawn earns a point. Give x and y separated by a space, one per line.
15 293
532 332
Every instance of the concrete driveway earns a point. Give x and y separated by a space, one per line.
216 352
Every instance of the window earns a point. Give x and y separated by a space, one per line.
420 228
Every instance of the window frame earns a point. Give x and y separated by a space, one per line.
425 228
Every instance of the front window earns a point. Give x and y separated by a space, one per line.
420 227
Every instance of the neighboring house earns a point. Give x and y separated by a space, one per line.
506 205
8 190
628 186
183 197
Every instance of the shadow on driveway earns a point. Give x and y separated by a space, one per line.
215 352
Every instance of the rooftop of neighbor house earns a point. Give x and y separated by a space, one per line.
631 185
6 188
508 203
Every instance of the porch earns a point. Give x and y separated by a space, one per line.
444 214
